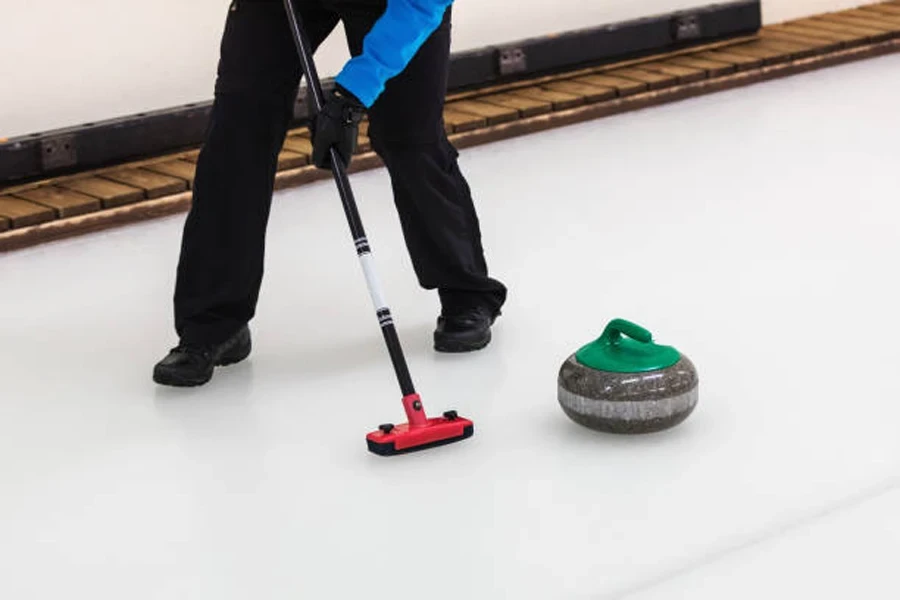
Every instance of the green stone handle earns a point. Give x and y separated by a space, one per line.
617 327
625 347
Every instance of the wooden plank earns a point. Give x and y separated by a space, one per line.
527 107
788 50
623 86
65 203
459 121
820 46
740 61
182 169
859 21
800 50
881 9
190 156
714 68
299 144
154 185
493 113
884 23
866 33
843 37
591 93
559 100
653 80
868 12
22 213
768 54
291 160
684 73
112 194
363 144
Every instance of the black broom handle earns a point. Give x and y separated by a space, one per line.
363 249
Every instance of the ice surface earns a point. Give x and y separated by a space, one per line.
755 229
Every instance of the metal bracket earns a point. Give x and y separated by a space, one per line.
686 27
512 60
58 152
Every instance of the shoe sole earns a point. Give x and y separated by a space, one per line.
454 346
161 377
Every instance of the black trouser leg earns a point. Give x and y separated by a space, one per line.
437 213
223 245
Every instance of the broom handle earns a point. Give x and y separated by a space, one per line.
363 249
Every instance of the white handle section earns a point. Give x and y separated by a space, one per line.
368 266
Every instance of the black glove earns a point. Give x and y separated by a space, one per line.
337 124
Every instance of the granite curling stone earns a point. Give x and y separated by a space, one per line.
625 383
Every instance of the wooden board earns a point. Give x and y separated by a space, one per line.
817 45
190 156
799 50
623 86
866 33
591 93
112 194
154 185
491 112
459 122
769 52
882 9
785 50
834 36
714 68
653 80
684 73
740 61
761 49
363 144
291 160
527 107
559 100
65 203
886 17
889 18
885 23
182 169
22 213
299 144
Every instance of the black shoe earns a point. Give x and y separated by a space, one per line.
464 330
190 365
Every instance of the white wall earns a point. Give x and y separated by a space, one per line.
66 62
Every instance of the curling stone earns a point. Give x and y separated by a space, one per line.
625 383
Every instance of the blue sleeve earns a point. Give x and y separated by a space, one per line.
389 46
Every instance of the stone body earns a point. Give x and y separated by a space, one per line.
628 402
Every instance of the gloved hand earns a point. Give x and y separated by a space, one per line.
337 124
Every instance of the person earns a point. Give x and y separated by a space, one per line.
396 77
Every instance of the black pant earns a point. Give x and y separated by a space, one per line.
221 265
